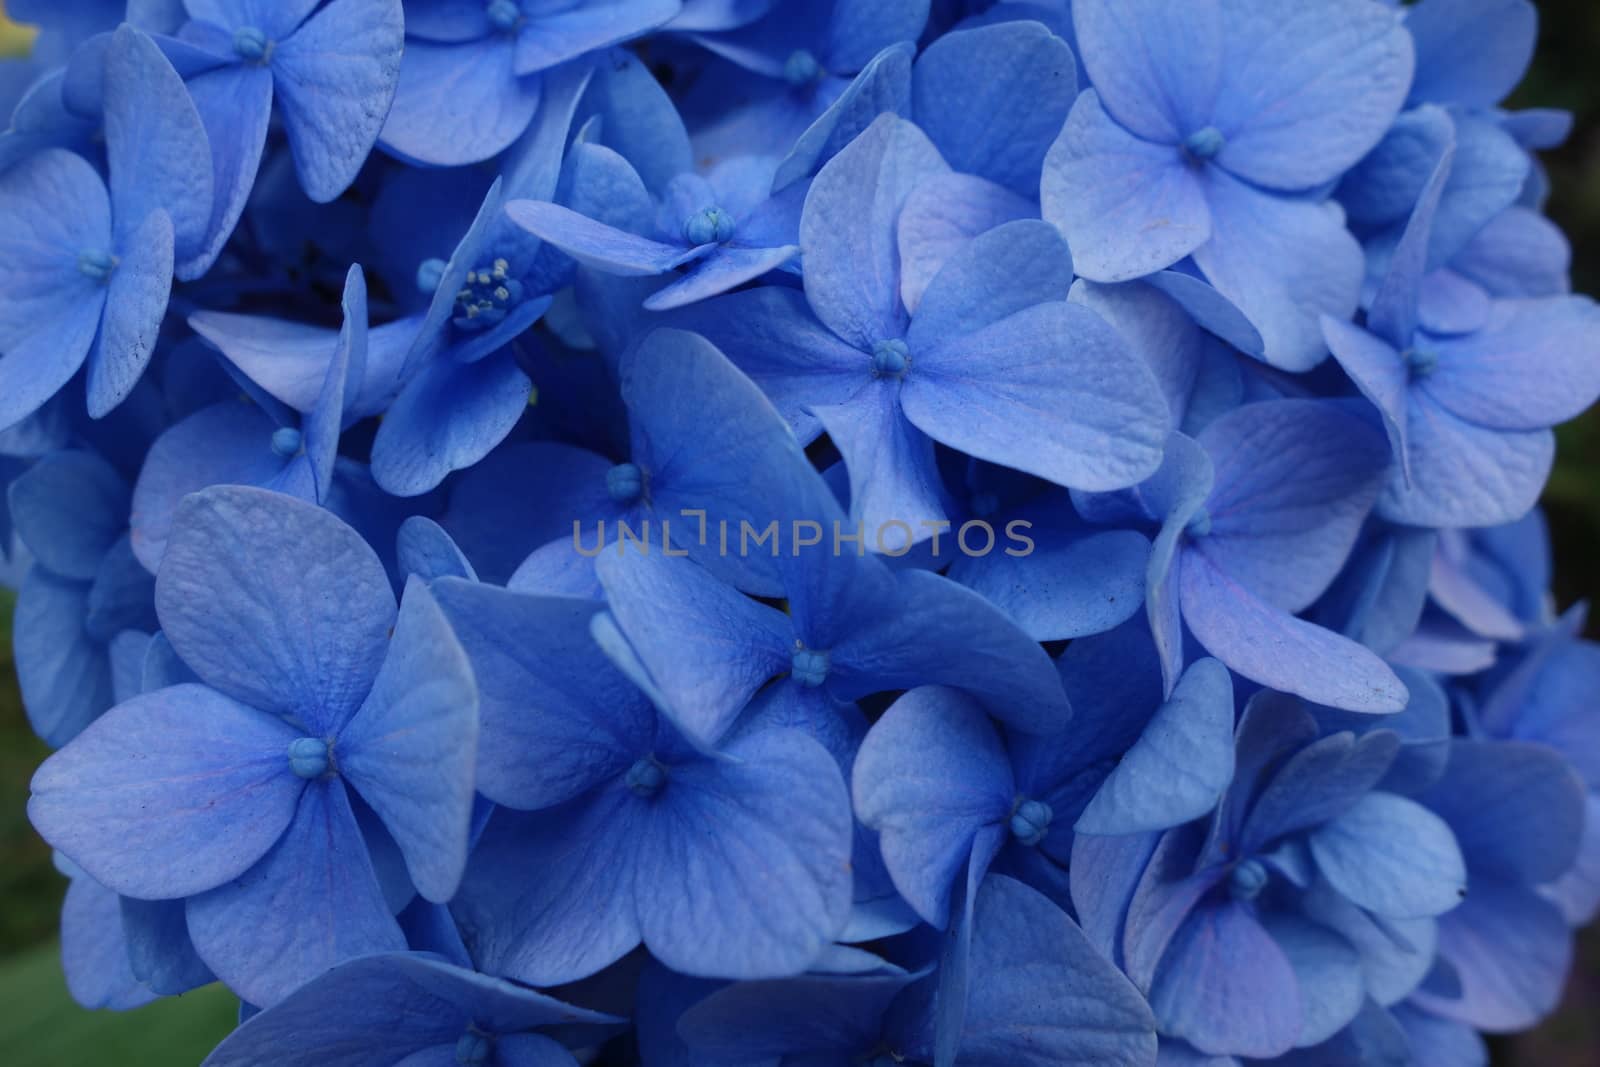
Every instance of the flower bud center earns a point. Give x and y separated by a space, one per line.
625 483
1030 822
809 666
891 359
251 45
1204 144
646 777
310 757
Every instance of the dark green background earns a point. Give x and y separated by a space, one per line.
41 1027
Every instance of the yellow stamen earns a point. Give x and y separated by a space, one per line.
16 40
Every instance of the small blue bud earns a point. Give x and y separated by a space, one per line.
891 359
309 757
1247 880
646 777
625 483
710 226
286 441
504 15
801 68
1031 821
809 667
96 264
1200 525
430 273
1205 144
1420 362
251 45
474 1049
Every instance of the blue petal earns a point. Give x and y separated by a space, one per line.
708 646
211 792
335 78
159 155
596 244
638 120
301 630
457 104
1157 67
1471 52
1327 971
1490 171
447 418
1512 952
724 269
136 303
770 887
993 99
1002 271
1393 857
64 674
94 953
935 632
1157 328
930 775
394 1004
832 1016
771 335
882 86
410 750
275 19
1394 312
1313 90
1283 262
848 230
225 444
861 29
1180 765
1463 474
894 479
1127 207
1514 808
53 207
535 653
1065 587
1294 481
551 897
1069 401
235 105
1226 987
311 902
940 216
1525 370
159 949
425 549
1040 994
1322 781
548 40
69 508
1276 649
1382 376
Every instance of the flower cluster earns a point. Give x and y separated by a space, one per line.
805 532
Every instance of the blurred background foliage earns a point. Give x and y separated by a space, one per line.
41 1027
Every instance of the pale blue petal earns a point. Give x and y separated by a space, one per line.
313 901
211 792
411 749
993 99
300 629
1128 207
848 230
